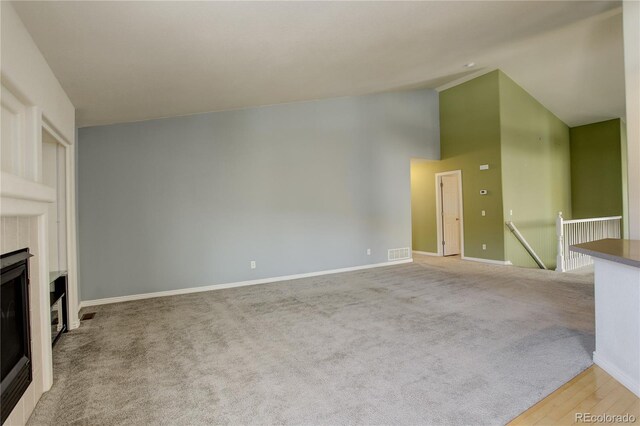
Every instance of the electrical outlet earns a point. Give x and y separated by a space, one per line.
368 252
253 264
484 213
484 247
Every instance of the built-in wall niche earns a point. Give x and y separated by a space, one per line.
54 175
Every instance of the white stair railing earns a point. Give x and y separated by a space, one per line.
577 231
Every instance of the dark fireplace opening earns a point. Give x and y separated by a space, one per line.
15 343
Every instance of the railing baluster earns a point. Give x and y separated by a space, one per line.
570 232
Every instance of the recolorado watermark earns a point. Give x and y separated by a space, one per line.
605 418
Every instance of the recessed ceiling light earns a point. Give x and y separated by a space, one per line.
470 65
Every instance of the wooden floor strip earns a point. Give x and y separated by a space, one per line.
593 391
540 410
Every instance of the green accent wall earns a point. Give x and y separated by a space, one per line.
491 120
536 181
469 137
423 209
596 169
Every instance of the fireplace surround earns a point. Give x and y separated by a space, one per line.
15 359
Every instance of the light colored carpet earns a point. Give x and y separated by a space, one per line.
440 341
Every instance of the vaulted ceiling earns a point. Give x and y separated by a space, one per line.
129 61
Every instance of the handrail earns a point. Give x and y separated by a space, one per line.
591 219
525 244
576 231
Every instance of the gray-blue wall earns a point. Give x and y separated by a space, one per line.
190 201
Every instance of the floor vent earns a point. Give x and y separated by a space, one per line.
399 253
88 316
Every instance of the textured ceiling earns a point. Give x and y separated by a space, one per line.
129 61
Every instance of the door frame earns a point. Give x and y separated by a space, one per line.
439 211
70 217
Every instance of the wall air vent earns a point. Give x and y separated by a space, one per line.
399 253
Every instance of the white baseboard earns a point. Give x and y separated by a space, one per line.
426 253
491 261
118 299
629 382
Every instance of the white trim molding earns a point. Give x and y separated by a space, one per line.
70 216
12 186
119 299
490 261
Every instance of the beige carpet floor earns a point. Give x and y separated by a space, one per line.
438 342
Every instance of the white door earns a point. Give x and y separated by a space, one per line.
449 192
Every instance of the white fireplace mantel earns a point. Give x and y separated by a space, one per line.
22 197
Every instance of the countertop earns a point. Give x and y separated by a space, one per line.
626 252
